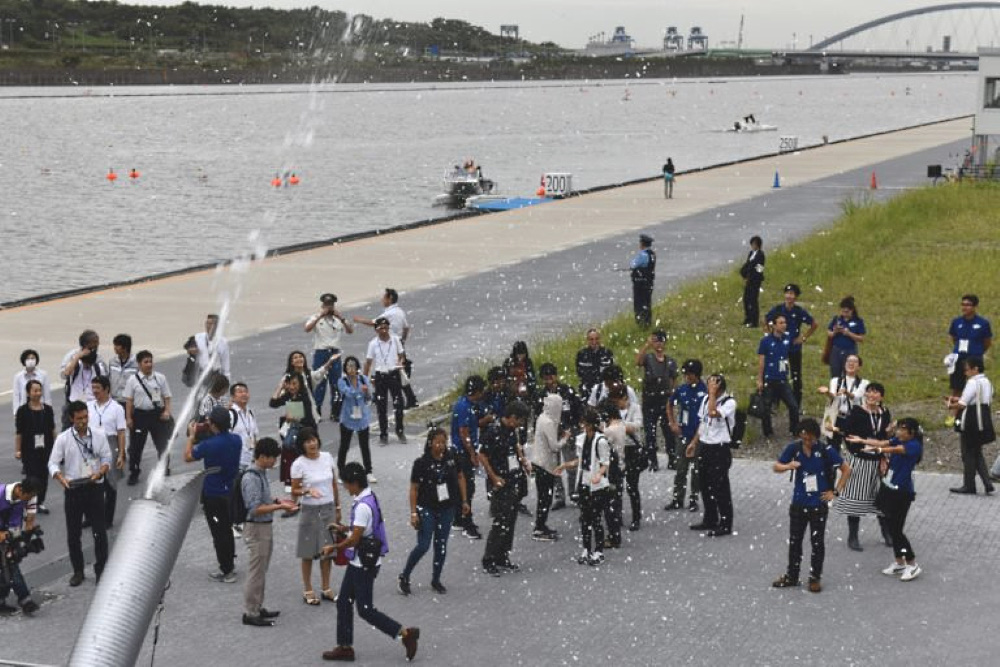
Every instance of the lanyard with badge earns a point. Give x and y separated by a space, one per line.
441 486
90 462
39 415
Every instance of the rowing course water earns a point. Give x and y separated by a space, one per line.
368 157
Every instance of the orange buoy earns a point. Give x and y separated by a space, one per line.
276 181
540 192
293 179
874 182
112 176
133 174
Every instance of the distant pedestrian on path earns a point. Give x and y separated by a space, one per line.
752 272
668 179
643 268
813 465
326 326
364 546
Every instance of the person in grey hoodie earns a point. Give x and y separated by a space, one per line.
549 441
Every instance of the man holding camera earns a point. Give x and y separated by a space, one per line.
147 412
17 515
80 459
326 326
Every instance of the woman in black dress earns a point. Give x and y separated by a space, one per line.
35 433
867 423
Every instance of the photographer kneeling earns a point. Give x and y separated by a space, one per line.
18 537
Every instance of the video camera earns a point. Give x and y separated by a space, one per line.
14 549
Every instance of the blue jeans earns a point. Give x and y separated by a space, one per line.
434 524
357 588
320 357
17 583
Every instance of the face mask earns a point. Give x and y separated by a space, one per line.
30 363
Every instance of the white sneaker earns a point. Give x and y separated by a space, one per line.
910 572
894 569
371 479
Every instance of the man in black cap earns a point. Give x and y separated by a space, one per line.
643 267
796 317
326 326
752 272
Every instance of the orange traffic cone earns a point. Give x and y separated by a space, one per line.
874 184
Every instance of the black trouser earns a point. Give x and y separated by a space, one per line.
86 501
680 477
642 302
221 526
146 422
613 508
751 303
815 519
896 505
503 508
633 469
385 384
544 484
654 413
779 390
110 502
465 467
795 372
972 459
714 462
37 466
345 444
592 505
411 398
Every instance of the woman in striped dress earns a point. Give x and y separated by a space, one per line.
866 424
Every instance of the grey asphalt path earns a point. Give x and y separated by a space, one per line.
719 593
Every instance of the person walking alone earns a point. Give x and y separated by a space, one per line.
643 268
668 179
752 273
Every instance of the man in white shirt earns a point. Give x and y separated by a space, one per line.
80 459
121 367
717 418
147 412
79 367
326 326
209 345
29 359
107 416
244 424
399 327
385 357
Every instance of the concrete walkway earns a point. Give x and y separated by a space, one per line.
279 291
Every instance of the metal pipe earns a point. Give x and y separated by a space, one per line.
136 574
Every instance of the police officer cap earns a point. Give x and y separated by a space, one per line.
692 366
645 239
220 417
792 287
328 298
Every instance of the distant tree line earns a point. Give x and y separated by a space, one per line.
107 26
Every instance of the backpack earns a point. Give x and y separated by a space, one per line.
739 428
237 505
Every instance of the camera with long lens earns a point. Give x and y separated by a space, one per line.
16 548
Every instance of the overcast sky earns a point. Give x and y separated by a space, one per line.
769 23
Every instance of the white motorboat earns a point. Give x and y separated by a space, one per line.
749 124
461 183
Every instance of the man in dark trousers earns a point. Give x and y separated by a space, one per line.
643 268
753 276
505 464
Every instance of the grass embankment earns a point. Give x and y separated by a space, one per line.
907 262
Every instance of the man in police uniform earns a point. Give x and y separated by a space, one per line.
505 465
591 362
643 267
795 317
752 272
772 375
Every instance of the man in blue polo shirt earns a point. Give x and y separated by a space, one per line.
772 375
796 318
222 449
465 443
971 336
686 401
813 464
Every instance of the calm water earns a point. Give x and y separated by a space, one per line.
368 156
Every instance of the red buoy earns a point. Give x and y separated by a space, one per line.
293 180
133 173
112 176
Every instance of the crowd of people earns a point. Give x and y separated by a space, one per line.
586 442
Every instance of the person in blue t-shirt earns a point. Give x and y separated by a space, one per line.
813 465
222 449
845 331
897 492
971 336
465 416
772 375
685 402
796 318
643 268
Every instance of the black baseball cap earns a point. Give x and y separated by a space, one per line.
328 298
692 366
792 287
